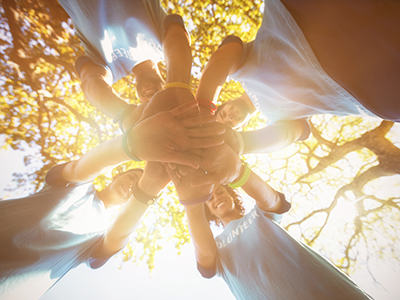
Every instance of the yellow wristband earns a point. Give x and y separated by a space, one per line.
177 85
242 180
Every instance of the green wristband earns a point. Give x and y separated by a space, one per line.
242 180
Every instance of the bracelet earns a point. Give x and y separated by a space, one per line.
125 145
208 104
177 85
242 180
196 200
142 197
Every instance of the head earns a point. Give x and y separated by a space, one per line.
148 80
224 202
119 190
236 113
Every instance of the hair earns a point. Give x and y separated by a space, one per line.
237 199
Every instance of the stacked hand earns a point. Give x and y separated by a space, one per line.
163 138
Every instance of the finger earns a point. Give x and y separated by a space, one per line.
204 180
172 166
184 170
181 109
205 131
182 158
195 121
206 142
172 175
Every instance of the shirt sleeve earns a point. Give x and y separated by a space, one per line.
206 273
278 215
54 177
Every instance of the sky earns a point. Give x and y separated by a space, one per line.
174 277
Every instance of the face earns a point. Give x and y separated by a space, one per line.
232 114
148 87
221 203
121 186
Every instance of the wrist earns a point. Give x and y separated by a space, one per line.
143 197
243 177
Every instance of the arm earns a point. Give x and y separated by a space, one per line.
202 237
96 85
275 137
266 197
159 138
121 228
177 52
199 229
178 59
225 61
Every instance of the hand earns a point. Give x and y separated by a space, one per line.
163 138
222 165
168 99
183 187
154 179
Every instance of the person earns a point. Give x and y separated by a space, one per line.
48 233
236 113
308 58
255 256
119 38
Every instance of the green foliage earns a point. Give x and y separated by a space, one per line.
334 179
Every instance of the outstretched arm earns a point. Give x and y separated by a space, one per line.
199 229
265 196
160 138
121 228
223 62
275 137
96 85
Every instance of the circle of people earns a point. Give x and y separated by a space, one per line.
309 57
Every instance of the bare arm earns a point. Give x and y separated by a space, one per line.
177 52
199 229
96 85
266 197
121 228
223 62
159 138
275 137
201 235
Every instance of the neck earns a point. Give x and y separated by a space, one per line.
105 197
235 215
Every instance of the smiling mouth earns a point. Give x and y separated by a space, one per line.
220 204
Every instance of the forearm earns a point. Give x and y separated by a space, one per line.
274 137
201 235
95 162
222 63
100 94
178 56
265 196
122 227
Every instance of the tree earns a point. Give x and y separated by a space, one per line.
44 113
